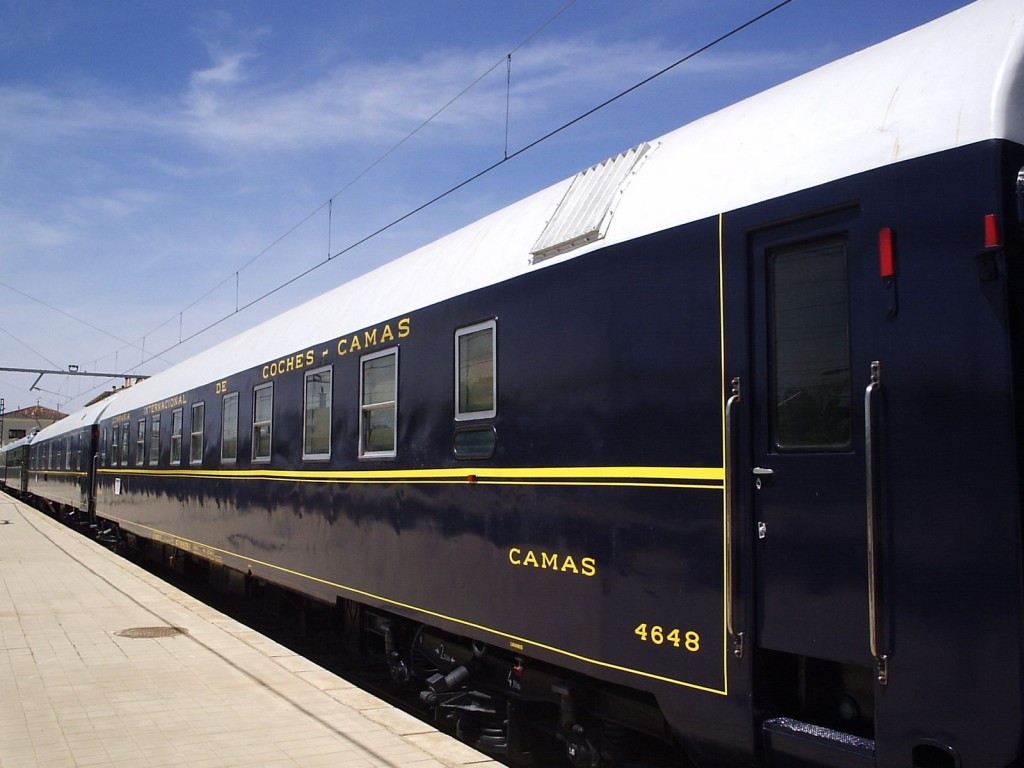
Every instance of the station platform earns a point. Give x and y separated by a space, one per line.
103 664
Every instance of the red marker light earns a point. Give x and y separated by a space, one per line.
991 231
886 263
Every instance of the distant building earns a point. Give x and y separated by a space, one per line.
25 421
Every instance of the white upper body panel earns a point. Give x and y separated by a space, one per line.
953 82
13 446
86 417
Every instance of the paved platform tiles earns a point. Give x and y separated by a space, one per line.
73 692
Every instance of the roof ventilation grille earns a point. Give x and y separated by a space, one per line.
586 210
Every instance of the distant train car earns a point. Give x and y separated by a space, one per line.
717 443
14 457
62 462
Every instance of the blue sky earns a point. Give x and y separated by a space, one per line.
150 151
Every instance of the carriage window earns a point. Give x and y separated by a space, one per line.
475 372
176 416
140 442
115 445
810 348
378 397
195 455
262 421
316 427
126 436
154 440
229 427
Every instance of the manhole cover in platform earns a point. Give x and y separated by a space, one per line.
151 632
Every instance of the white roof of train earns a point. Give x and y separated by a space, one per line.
955 81
18 443
89 415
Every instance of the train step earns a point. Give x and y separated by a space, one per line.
791 743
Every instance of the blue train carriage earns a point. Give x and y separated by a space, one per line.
716 441
62 463
14 458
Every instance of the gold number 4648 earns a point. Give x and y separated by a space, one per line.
658 635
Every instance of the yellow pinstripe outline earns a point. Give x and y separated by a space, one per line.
168 538
721 389
656 477
695 478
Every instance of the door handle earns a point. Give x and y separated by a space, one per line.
873 529
731 619
762 476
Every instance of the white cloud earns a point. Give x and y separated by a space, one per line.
194 180
237 107
226 71
229 109
24 234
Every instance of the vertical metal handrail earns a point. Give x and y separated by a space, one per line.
91 480
730 490
871 458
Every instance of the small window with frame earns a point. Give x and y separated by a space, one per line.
475 372
176 417
229 427
140 442
154 441
475 442
126 438
115 445
195 455
378 405
262 421
316 424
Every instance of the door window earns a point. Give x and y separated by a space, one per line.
810 348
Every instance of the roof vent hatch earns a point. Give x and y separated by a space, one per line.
586 210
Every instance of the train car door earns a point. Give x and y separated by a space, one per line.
808 475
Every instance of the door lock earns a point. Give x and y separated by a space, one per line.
762 474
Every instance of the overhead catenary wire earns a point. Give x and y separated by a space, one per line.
329 202
508 99
77 319
26 346
437 198
485 171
